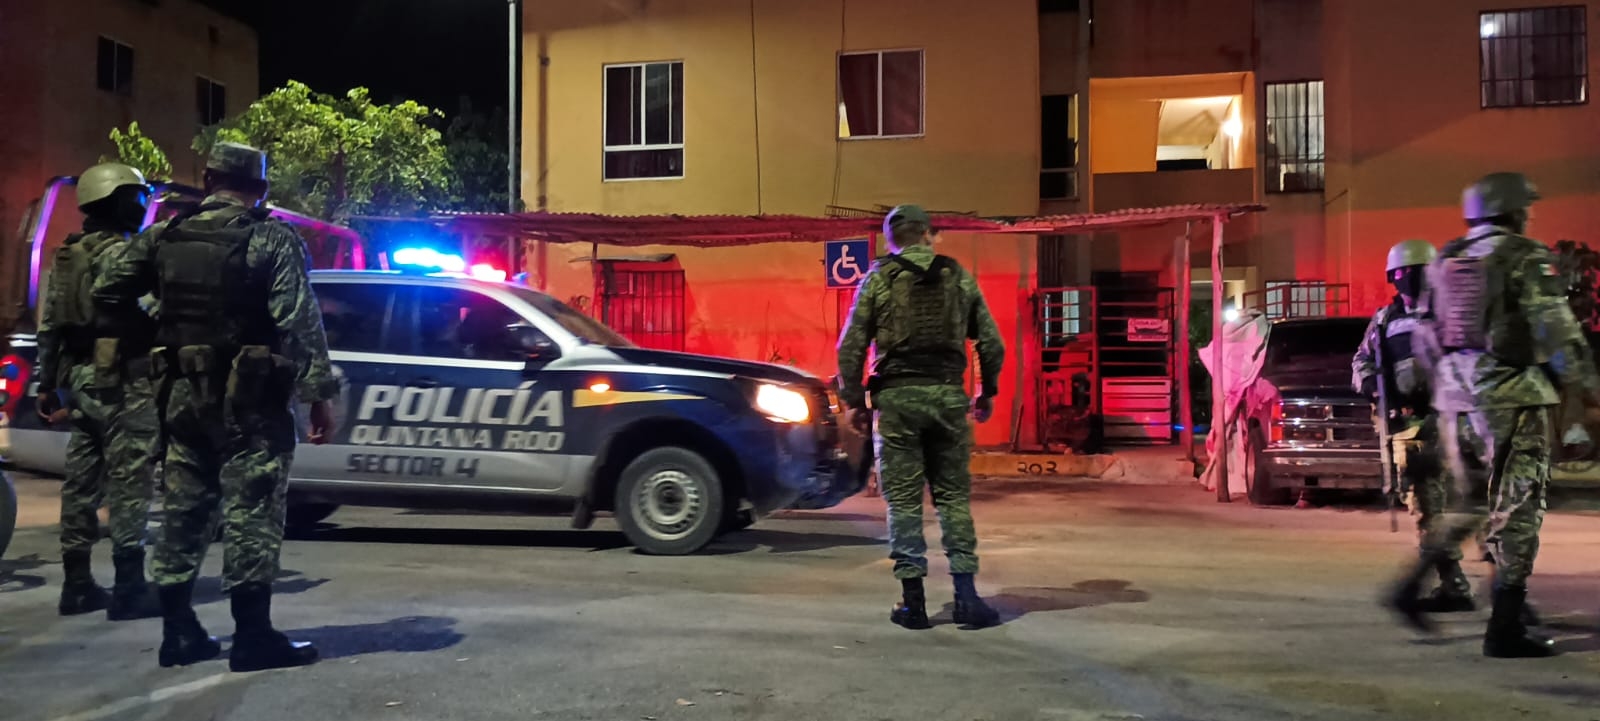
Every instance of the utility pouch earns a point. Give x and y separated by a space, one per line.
107 362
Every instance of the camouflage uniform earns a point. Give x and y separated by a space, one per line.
1413 433
115 430
1496 415
226 402
923 436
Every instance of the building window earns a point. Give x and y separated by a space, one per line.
1533 57
1295 160
644 121
1058 6
880 94
114 71
210 101
1296 299
646 305
1058 145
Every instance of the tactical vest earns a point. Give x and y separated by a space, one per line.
1399 368
1476 301
923 327
72 284
209 294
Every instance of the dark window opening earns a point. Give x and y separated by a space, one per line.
1295 155
211 101
880 94
647 307
643 121
1058 145
1533 57
114 68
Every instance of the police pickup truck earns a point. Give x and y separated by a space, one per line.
461 393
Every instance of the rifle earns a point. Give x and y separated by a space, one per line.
1391 477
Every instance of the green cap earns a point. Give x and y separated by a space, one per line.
240 161
1410 252
1497 194
903 214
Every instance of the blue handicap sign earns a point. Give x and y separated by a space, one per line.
845 262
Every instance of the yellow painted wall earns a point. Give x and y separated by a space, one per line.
1136 38
1406 133
762 137
1124 133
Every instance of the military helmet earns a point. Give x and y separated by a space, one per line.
1410 252
240 161
100 181
1497 194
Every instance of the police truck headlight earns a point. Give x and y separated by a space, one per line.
782 404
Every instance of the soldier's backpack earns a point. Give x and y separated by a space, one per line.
935 319
72 279
1476 301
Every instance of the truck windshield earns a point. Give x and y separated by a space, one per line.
585 328
1319 345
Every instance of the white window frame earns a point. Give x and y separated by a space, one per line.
922 93
118 43
605 113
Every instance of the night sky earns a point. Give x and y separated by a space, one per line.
431 51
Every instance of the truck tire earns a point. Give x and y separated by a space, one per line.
669 502
1258 482
8 512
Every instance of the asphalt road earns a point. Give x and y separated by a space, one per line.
1148 602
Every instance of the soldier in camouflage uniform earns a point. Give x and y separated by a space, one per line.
1497 333
1383 365
240 333
99 361
920 309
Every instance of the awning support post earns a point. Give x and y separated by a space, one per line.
1219 395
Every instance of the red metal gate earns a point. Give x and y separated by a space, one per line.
1066 363
644 302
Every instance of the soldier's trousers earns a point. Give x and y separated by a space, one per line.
238 458
1419 462
110 459
1500 462
924 440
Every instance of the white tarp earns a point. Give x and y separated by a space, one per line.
1244 343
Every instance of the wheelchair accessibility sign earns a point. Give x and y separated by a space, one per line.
846 262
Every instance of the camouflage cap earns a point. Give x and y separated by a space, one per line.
904 214
240 161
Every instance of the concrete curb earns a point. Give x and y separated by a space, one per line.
1138 469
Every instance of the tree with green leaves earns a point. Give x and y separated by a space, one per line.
139 151
337 157
476 145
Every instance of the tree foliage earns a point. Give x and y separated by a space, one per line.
476 146
139 151
333 157
1580 265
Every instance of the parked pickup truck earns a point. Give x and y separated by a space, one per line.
1319 433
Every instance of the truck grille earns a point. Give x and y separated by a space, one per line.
1329 422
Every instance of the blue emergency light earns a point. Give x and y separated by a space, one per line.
429 259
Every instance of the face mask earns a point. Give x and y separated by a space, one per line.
130 207
1407 280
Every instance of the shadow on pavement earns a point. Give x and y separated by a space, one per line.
12 582
784 542
208 589
1014 603
593 540
410 634
827 516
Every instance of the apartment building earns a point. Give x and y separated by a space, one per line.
75 69
1356 123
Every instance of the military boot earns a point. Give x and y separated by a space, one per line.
1529 616
912 612
258 646
1507 637
79 592
131 596
1404 599
183 640
970 610
1454 594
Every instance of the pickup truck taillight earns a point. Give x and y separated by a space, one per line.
13 382
1275 426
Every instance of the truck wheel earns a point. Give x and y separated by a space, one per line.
303 517
1258 482
669 502
8 512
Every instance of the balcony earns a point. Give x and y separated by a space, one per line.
1120 191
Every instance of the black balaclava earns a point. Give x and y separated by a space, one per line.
1408 280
